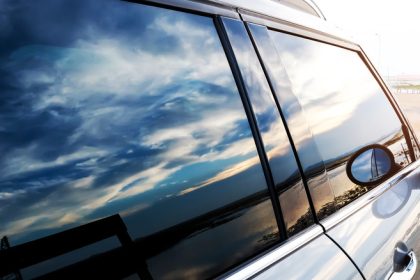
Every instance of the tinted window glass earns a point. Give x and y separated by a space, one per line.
287 180
345 107
118 108
309 156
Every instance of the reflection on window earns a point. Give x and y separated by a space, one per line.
132 110
287 179
344 106
309 156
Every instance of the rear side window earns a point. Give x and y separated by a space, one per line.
120 108
344 105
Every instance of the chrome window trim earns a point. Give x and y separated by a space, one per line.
268 8
271 14
278 24
273 256
276 9
203 7
348 210
228 7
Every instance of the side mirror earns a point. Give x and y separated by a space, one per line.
371 165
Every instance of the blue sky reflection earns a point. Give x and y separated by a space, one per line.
122 110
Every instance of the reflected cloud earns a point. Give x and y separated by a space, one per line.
309 156
228 173
285 172
129 110
108 116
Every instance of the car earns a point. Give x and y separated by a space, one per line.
201 139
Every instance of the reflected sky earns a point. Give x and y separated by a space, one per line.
274 136
309 156
371 165
287 179
337 93
333 107
121 109
290 106
345 107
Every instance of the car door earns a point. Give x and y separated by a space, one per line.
380 231
347 108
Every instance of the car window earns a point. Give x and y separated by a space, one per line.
121 108
344 105
312 164
286 176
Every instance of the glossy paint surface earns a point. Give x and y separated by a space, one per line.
370 235
287 180
128 110
317 259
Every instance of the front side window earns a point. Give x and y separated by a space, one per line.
120 108
344 105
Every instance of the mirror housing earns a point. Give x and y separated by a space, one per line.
371 165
